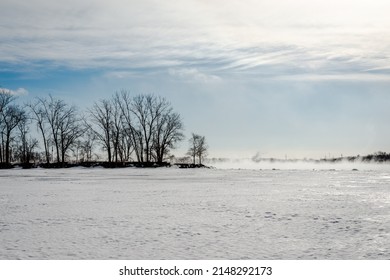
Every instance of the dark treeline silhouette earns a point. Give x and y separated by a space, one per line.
143 125
138 130
376 157
12 118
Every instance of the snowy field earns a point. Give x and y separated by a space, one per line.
170 213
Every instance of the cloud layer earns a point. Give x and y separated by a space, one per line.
271 38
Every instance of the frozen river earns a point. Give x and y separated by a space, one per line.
171 213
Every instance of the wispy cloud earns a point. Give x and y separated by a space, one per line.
193 75
17 92
336 77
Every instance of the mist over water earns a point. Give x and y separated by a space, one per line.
267 164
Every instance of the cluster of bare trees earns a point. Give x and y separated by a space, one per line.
144 125
59 125
13 125
142 128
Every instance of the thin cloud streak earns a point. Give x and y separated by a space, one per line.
17 92
336 77
193 75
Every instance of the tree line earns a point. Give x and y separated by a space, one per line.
140 128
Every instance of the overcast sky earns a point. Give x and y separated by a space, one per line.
295 78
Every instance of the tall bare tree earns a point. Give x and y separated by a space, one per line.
167 133
70 129
202 148
38 115
10 117
151 124
5 99
26 144
117 131
101 115
147 109
62 121
131 130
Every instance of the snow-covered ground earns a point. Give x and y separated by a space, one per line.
170 213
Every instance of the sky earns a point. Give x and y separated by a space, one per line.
291 78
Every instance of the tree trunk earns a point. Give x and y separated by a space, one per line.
46 150
109 154
63 158
58 153
7 153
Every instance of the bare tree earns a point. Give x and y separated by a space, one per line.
101 115
50 110
150 124
127 147
5 99
131 130
117 131
192 150
27 144
202 148
112 128
10 117
70 129
198 147
147 109
143 124
63 122
167 133
38 115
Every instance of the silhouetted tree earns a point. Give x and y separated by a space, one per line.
146 109
131 130
63 122
10 117
117 132
151 124
198 147
5 99
101 115
202 148
26 144
37 109
167 133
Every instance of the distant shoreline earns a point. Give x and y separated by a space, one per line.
380 157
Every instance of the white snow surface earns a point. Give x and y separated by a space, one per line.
171 213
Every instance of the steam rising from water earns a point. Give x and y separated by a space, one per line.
247 163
